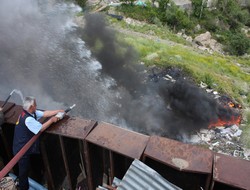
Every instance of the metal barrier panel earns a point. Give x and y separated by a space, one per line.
106 148
11 112
72 127
110 150
185 165
230 173
63 152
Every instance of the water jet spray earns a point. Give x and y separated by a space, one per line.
5 102
7 99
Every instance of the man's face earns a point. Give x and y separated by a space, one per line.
33 107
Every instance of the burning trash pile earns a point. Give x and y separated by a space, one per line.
210 119
223 135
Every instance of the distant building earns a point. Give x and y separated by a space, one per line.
185 4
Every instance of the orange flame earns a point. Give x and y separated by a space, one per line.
231 104
234 120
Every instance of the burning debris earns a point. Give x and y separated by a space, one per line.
206 105
223 134
229 110
216 117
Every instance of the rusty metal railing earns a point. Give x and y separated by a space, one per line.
109 149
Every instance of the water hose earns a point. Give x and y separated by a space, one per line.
5 102
18 156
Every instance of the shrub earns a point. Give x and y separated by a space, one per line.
175 17
233 13
198 8
81 3
147 13
237 43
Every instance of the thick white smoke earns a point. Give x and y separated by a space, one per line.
42 55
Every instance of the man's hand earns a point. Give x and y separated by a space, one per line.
54 119
48 123
60 115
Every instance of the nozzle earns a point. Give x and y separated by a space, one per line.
70 108
12 92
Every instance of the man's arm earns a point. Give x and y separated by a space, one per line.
48 123
50 113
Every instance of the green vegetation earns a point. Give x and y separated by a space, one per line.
81 3
219 72
161 32
246 131
227 15
228 74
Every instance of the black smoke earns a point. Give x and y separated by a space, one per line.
118 59
191 106
42 53
161 107
165 108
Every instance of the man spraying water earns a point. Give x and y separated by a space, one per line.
26 127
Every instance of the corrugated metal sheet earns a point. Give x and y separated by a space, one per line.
232 171
140 177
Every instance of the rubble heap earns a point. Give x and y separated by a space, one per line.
225 140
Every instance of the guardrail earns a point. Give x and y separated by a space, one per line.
76 147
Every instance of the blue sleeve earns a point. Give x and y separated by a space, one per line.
39 114
33 125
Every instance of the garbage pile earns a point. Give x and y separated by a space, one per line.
225 140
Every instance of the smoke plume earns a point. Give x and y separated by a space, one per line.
118 59
43 53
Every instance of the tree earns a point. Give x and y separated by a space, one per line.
81 3
198 7
238 44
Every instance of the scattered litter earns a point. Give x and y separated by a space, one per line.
223 140
238 133
209 90
237 153
203 85
229 143
216 144
246 153
168 77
